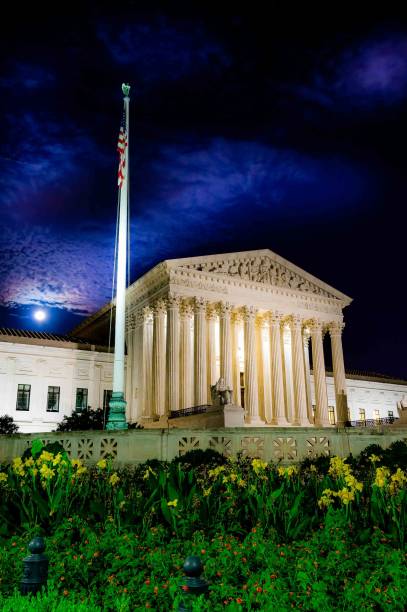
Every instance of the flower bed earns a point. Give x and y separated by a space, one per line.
328 535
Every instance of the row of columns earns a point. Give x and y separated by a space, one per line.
171 368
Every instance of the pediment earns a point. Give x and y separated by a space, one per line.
264 267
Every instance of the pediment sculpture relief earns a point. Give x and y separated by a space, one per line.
261 270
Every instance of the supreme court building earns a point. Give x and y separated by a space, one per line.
251 318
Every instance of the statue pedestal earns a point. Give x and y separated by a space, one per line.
233 415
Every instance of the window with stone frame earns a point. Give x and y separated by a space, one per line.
81 402
331 415
23 397
53 399
362 414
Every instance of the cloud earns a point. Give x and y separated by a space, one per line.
41 164
71 271
368 75
27 76
160 51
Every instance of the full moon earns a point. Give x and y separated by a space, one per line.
39 315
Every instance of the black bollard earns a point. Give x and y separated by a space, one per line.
193 583
35 572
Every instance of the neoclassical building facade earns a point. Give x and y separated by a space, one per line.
250 318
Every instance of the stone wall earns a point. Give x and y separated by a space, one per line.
287 445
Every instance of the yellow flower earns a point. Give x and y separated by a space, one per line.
101 464
29 462
114 479
46 472
207 492
327 498
242 483
233 477
173 503
57 459
148 472
398 480
76 463
313 468
81 470
34 471
352 483
346 496
374 458
3 477
46 456
287 471
258 465
382 473
338 467
225 480
17 463
215 472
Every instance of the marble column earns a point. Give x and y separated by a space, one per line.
335 330
250 368
130 326
264 374
225 313
159 342
288 371
307 368
321 397
236 323
136 386
279 417
146 365
200 364
212 318
172 354
186 355
300 391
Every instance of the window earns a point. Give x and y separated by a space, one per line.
53 399
242 389
376 415
23 397
390 413
81 399
331 415
107 395
362 414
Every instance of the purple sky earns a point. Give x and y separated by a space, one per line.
246 134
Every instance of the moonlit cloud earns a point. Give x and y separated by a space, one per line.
43 268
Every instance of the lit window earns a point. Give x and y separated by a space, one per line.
362 414
81 399
331 415
23 397
376 415
53 399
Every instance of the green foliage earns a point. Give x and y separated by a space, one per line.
195 458
110 570
7 425
84 420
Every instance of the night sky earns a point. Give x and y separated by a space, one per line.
249 130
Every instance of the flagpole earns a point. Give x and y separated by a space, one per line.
117 404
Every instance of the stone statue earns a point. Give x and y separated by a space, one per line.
221 393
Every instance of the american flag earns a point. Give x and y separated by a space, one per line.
121 149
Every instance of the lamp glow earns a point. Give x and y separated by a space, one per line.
40 315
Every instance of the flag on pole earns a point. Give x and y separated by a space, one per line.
121 149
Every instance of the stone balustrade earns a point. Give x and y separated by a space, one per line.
285 445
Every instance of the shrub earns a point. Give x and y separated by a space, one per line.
7 425
88 419
84 420
199 457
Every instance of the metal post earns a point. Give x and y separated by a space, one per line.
193 583
35 572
